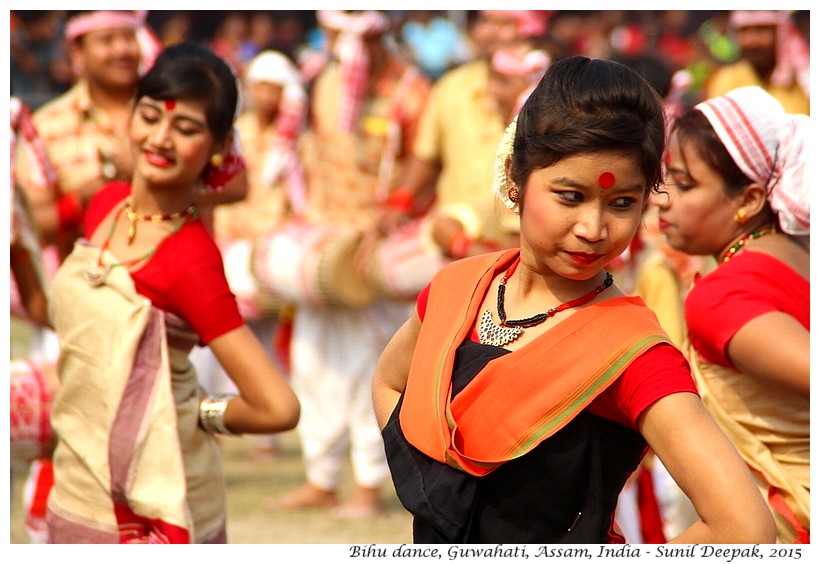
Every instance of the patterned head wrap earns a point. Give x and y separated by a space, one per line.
352 54
149 43
102 19
769 146
792 50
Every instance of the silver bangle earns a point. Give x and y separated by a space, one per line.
212 414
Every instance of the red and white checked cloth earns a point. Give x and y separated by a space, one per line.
769 146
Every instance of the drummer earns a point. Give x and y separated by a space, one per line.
267 130
455 148
362 126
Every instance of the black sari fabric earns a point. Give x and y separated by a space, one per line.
563 491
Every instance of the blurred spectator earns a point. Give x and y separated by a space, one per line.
84 130
465 118
434 41
290 35
672 41
715 34
261 35
268 129
175 29
39 68
773 55
229 37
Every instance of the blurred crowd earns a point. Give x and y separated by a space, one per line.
414 162
695 41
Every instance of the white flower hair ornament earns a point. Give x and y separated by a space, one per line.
500 182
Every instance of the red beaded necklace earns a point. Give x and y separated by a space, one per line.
490 333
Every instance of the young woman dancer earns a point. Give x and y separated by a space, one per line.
526 387
737 191
136 459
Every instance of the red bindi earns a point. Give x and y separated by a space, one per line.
606 180
170 104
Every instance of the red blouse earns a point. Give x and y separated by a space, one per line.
185 276
746 287
660 371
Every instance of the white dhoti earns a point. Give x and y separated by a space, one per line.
333 356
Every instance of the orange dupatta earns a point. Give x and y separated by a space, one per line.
521 398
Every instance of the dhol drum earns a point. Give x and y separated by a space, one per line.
404 262
31 435
312 264
255 301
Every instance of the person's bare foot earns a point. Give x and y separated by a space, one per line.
306 497
364 503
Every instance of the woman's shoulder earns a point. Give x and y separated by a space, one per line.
752 270
102 202
110 194
197 244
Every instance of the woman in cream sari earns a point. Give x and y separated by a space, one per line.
737 192
136 459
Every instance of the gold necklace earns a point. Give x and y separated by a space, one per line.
134 217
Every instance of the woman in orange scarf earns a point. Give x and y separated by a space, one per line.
526 388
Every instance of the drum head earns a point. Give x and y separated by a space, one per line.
342 282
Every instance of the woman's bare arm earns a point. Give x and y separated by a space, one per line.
392 369
709 470
266 403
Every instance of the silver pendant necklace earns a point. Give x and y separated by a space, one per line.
491 333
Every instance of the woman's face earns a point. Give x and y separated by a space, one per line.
266 97
696 215
170 140
581 213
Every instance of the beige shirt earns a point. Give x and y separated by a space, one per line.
266 203
740 74
73 132
460 129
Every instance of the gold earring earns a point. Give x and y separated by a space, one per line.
513 194
217 160
740 216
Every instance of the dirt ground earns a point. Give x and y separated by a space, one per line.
253 480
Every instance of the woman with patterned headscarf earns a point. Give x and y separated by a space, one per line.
737 191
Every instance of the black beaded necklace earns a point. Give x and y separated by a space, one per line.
499 335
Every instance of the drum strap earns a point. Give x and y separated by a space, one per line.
392 145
